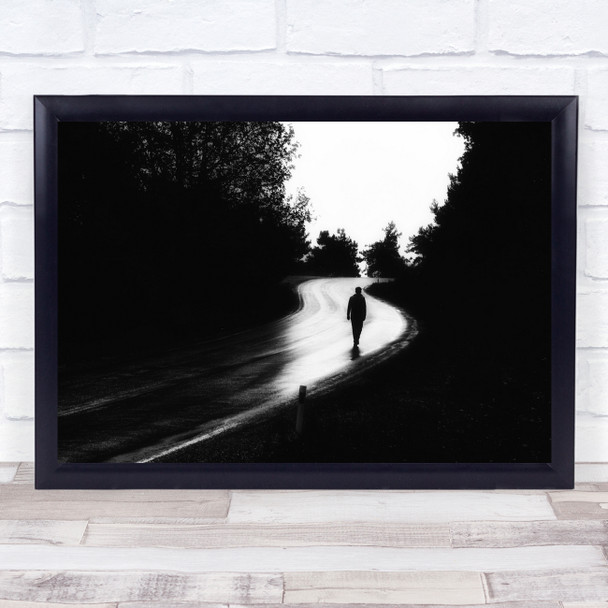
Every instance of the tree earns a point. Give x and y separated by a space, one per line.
382 257
156 215
480 289
221 188
334 255
491 238
485 261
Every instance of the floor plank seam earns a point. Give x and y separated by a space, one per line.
84 535
229 505
484 586
284 588
451 534
30 521
551 505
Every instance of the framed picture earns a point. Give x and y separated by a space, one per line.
305 292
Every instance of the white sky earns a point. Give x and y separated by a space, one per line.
361 175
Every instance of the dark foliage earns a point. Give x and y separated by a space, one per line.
173 228
487 257
335 255
481 283
382 257
474 386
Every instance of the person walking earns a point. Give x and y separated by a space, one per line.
356 313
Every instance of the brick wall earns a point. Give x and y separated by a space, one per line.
300 47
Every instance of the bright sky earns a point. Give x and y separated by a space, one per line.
361 175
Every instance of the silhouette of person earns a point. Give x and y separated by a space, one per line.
356 313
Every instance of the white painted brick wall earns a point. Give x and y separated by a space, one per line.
142 26
274 78
16 243
392 27
548 27
478 80
16 167
16 316
20 81
298 47
593 390
596 258
592 174
17 385
597 111
41 27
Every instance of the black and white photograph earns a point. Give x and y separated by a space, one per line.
304 292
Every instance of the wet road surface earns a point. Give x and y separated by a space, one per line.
142 411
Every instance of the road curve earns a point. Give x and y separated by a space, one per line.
164 404
319 337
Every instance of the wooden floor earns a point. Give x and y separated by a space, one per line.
169 549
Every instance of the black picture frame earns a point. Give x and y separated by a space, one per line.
560 111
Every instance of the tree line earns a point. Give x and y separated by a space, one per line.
480 273
168 230
486 257
183 228
479 284
175 229
338 255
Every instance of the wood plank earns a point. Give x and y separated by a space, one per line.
451 588
588 487
91 587
526 604
574 496
8 470
384 506
576 585
579 510
19 604
21 501
336 605
41 532
180 604
579 505
161 521
25 473
535 533
518 492
591 472
291 559
267 535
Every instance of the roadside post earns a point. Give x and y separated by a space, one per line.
301 415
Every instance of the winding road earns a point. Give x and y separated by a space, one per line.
163 404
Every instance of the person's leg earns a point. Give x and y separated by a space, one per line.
357 327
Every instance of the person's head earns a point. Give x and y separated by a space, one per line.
357 289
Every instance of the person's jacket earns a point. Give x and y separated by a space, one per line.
357 309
